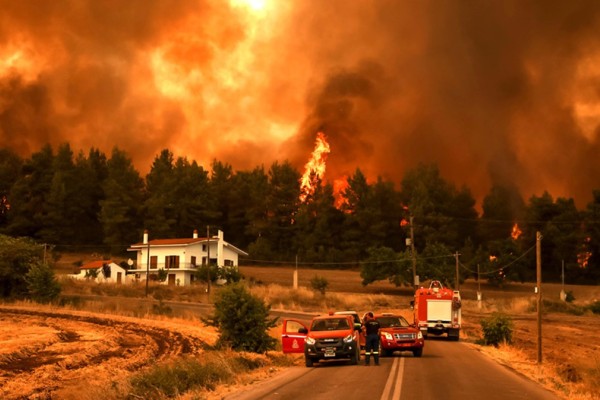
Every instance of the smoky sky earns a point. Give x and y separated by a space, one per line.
504 92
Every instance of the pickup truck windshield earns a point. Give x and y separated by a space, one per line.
392 322
334 324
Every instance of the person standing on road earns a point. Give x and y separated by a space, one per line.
371 327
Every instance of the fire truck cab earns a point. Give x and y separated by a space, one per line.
437 310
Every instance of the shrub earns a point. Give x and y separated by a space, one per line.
497 329
595 307
242 320
229 273
162 275
569 297
560 306
319 284
173 379
17 255
42 284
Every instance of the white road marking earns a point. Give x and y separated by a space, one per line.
394 377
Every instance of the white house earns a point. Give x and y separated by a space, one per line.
180 258
102 271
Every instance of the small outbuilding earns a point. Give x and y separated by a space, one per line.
102 271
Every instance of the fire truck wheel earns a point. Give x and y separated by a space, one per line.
308 362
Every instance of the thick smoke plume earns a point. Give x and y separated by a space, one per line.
493 92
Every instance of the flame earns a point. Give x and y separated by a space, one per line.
4 205
516 232
404 222
584 256
315 167
339 186
493 258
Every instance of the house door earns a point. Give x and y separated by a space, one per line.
119 277
171 280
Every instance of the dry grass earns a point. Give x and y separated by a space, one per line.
307 300
571 365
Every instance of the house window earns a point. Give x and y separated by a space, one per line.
153 261
204 248
229 263
171 262
203 260
193 261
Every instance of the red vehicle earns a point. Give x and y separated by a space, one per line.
396 334
437 310
357 320
328 337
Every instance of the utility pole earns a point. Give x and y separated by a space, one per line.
295 281
146 236
457 277
208 260
478 289
538 256
563 294
414 255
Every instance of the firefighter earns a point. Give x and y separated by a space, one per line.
371 328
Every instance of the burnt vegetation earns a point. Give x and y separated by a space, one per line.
98 203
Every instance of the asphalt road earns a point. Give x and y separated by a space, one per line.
447 370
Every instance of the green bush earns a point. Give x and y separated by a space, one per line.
174 379
595 307
162 275
242 320
229 273
17 255
319 284
569 297
497 329
560 307
42 284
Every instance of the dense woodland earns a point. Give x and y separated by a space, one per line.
99 203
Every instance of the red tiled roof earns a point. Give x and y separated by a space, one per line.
166 242
95 264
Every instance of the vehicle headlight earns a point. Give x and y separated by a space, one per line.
348 339
388 335
420 335
310 340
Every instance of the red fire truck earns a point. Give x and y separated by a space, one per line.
437 310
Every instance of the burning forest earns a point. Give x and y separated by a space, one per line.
493 93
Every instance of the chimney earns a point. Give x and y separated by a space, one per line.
145 236
195 236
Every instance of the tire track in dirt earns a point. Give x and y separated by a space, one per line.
68 349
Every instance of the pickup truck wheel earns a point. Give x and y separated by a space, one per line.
418 352
308 362
354 357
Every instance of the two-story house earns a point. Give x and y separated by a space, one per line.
180 258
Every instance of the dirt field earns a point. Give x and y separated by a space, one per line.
55 354
52 353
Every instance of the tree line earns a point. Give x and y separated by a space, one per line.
79 202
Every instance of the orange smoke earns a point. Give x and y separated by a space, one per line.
314 168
